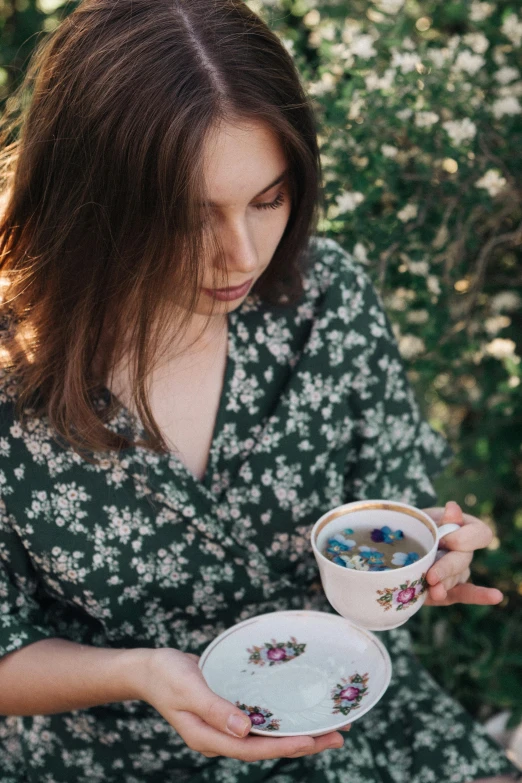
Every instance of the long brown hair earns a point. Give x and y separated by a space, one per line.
103 190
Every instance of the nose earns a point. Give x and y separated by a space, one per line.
240 253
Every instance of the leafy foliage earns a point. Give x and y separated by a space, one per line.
421 146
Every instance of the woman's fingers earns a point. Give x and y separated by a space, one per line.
453 564
207 740
467 593
473 533
327 741
196 697
448 577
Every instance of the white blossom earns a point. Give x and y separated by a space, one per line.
460 130
349 200
509 105
343 52
477 42
362 46
496 323
480 11
356 105
406 61
505 300
419 268
492 181
408 43
411 346
499 55
408 212
385 82
404 114
418 316
326 84
512 29
506 74
433 285
360 253
351 29
423 119
399 298
501 348
327 31
510 90
439 56
389 151
389 6
468 62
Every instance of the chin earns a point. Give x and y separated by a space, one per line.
220 308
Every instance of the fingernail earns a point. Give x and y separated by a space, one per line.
335 745
452 506
238 726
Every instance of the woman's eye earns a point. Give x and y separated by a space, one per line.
278 202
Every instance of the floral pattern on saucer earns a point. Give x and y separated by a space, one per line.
348 694
275 652
403 596
259 717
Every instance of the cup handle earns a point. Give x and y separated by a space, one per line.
445 530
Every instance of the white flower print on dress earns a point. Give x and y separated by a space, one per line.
134 551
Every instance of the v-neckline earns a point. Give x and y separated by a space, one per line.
171 457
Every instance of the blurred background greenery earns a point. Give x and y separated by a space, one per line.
420 117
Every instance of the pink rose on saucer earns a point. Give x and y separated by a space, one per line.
350 693
260 717
276 654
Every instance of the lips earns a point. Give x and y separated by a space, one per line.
229 294
231 289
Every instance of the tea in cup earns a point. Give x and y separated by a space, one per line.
373 557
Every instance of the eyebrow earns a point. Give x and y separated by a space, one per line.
279 179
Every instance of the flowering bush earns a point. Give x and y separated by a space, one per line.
420 114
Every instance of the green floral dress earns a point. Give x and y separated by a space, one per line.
136 552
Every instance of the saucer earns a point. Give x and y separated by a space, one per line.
298 672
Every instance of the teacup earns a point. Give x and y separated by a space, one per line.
377 600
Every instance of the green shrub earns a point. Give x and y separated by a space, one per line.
420 114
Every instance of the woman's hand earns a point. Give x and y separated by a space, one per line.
172 683
448 577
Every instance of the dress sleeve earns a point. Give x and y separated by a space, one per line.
22 619
395 452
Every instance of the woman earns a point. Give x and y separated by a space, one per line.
190 378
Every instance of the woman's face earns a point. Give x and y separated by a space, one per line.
240 163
